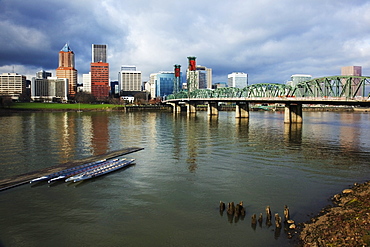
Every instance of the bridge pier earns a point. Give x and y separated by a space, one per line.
191 108
242 110
176 108
293 113
212 108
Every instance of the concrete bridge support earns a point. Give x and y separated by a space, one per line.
293 113
242 110
176 107
191 108
212 108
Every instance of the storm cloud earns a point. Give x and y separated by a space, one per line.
270 40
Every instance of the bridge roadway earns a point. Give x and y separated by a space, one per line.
293 105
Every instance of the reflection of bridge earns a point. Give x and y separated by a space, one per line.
334 90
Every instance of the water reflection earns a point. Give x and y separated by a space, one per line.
188 165
293 133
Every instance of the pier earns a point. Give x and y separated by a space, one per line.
17 180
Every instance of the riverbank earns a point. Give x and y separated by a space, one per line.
345 223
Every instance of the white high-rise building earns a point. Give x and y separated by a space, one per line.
129 78
297 78
12 84
50 89
152 85
86 80
237 79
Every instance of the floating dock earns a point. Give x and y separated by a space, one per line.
17 180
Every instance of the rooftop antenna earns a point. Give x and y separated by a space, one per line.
13 69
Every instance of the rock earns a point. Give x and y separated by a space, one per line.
290 221
347 191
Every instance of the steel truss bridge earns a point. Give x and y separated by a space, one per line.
333 90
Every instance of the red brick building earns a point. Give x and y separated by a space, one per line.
100 80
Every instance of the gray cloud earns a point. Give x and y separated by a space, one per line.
269 40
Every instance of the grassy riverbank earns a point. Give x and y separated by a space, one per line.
58 106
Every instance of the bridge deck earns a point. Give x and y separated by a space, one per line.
17 180
361 101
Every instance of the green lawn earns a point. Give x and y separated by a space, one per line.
60 106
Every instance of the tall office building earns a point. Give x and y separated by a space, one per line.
162 83
99 53
86 82
129 79
43 74
100 80
50 89
12 84
298 78
204 77
67 69
198 77
354 71
237 79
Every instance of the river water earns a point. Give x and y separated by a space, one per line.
189 163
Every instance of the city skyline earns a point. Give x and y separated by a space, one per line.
268 41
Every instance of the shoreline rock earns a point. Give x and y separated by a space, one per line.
345 223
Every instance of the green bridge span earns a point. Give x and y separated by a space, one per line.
333 90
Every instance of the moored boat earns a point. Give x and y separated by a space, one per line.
65 171
84 169
101 170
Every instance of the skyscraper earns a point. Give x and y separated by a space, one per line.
67 69
353 71
237 79
43 74
12 84
163 83
129 78
99 53
100 80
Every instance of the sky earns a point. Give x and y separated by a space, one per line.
268 39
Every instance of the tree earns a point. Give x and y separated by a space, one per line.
5 101
83 97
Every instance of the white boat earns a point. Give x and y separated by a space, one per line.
63 172
101 170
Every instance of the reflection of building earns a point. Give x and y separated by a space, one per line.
52 89
100 80
67 69
129 78
100 137
355 71
237 79
12 84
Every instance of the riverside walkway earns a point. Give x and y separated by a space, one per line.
17 180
